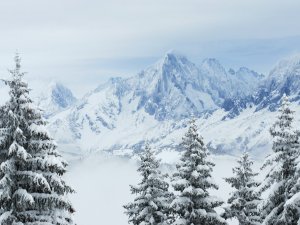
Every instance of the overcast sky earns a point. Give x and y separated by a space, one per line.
83 42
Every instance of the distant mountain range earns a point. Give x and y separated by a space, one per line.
235 108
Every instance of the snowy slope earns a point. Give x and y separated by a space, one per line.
248 131
154 105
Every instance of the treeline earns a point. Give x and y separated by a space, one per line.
188 202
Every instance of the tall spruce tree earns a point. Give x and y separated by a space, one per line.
280 207
244 201
193 205
33 191
151 205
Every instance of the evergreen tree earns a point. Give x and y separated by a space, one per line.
243 202
193 205
33 191
151 206
280 207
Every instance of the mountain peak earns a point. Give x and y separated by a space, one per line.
292 60
212 62
245 71
56 98
212 65
173 58
115 80
54 84
171 53
61 95
286 67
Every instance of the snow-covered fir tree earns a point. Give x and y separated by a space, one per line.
281 207
192 181
243 202
151 204
33 190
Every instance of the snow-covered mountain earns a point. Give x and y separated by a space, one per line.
155 105
231 83
55 98
173 88
283 79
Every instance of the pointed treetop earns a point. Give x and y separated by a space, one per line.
18 61
17 75
284 119
192 127
147 153
192 119
245 155
285 101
